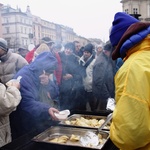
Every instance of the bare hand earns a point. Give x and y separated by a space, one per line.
67 76
52 111
44 79
14 83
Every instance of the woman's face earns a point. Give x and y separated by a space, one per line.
68 51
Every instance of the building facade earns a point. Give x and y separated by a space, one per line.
21 29
16 27
0 20
138 8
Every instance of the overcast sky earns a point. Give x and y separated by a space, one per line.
88 18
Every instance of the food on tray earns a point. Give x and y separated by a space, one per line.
107 127
79 138
100 136
82 121
64 139
61 139
101 139
55 140
68 122
89 140
74 138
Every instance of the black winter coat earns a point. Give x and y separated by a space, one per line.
103 77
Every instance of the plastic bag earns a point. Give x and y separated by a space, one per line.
12 81
110 104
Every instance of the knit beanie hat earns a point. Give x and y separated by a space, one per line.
3 44
47 40
70 46
108 46
120 24
89 48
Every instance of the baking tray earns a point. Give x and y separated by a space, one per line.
58 131
72 121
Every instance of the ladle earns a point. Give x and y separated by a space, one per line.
108 119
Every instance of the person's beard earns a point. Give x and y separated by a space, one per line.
85 58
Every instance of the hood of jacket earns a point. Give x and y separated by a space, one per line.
45 61
134 34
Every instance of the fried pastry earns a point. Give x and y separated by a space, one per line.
74 138
61 139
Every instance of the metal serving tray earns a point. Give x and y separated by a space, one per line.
58 131
75 116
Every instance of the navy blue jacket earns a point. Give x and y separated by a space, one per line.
31 110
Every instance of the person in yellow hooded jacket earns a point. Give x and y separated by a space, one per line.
130 128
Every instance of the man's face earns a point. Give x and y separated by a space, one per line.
77 46
107 53
99 49
2 52
23 52
86 54
44 78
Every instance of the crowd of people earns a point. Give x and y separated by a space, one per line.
80 78
51 79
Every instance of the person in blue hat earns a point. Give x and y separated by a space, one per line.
39 96
130 127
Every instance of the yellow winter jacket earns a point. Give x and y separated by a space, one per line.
130 128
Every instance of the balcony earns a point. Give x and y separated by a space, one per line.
136 16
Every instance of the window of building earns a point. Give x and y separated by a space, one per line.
8 41
36 19
30 30
135 11
7 29
25 30
30 22
21 20
22 42
39 28
26 42
126 11
6 20
21 29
